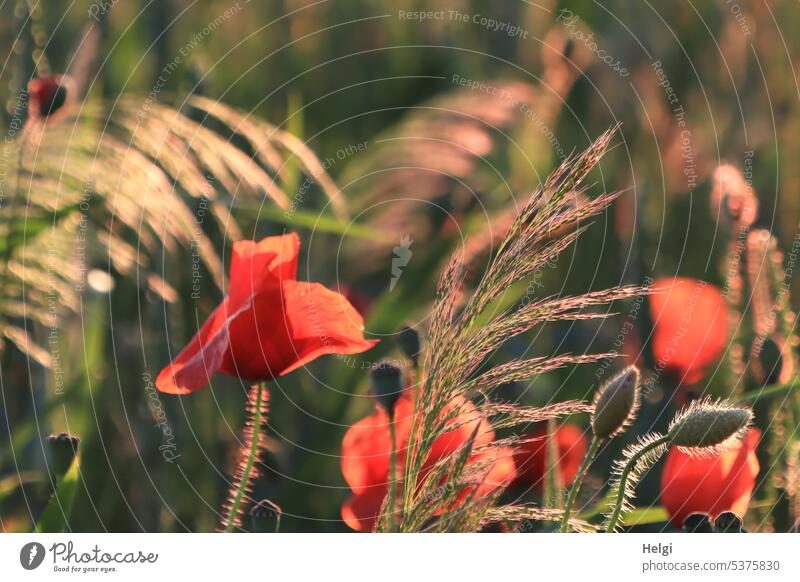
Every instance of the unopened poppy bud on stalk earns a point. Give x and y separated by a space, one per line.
63 447
409 342
705 424
616 404
387 385
266 517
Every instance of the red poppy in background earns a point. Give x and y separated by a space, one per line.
690 327
710 485
47 95
269 323
531 457
366 451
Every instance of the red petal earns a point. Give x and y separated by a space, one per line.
710 485
365 453
360 512
531 457
256 264
690 329
196 363
321 322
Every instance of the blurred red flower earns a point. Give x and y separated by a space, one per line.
690 327
47 95
366 451
532 455
269 323
710 485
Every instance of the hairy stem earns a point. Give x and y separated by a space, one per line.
625 475
234 510
576 484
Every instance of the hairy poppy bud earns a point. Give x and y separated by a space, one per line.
387 385
697 523
728 522
706 424
63 447
266 517
616 403
408 340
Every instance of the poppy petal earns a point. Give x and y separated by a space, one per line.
196 363
712 485
360 512
255 264
321 322
689 326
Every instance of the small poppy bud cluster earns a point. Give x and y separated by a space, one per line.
726 522
265 517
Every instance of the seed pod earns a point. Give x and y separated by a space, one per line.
616 404
728 522
63 447
697 523
266 517
409 342
387 385
709 425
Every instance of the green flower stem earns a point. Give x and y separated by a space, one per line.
392 474
623 478
576 484
247 470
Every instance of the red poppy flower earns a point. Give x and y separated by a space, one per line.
46 96
532 455
710 485
366 451
690 327
269 323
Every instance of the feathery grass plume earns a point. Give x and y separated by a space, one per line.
616 404
130 183
250 451
462 336
709 427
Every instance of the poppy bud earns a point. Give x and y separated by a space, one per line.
266 517
387 385
706 424
728 522
697 523
408 340
63 447
770 362
616 403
